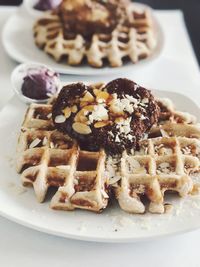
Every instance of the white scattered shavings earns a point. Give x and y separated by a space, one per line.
133 163
49 115
98 114
112 169
164 150
17 189
44 142
127 103
164 167
145 100
132 99
124 126
75 181
142 117
34 143
117 139
134 166
130 137
60 119
104 194
114 180
52 145
143 105
145 224
136 86
164 133
49 95
100 100
186 150
111 134
122 221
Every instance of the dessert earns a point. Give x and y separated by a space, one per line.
47 158
40 83
90 17
165 161
99 31
114 116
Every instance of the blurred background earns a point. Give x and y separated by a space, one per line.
190 8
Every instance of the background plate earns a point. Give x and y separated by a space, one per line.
19 44
113 225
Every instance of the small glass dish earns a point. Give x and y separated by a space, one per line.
17 79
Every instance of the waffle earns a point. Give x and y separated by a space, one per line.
48 158
133 42
162 164
166 161
173 122
168 113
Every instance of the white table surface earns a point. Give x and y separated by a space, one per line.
176 69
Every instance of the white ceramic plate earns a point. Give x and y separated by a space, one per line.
113 225
19 44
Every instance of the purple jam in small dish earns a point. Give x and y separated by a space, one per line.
40 83
44 5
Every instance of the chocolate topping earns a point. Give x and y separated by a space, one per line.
87 17
114 117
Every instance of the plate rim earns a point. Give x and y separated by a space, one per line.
110 239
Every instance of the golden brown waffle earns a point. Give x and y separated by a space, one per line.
162 164
134 42
48 158
165 162
173 122
168 113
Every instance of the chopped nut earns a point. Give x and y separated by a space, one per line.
164 165
60 119
67 112
164 133
44 142
104 194
89 108
97 91
119 120
80 116
74 109
88 97
102 96
145 100
101 124
114 180
34 143
52 145
83 104
49 115
81 128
